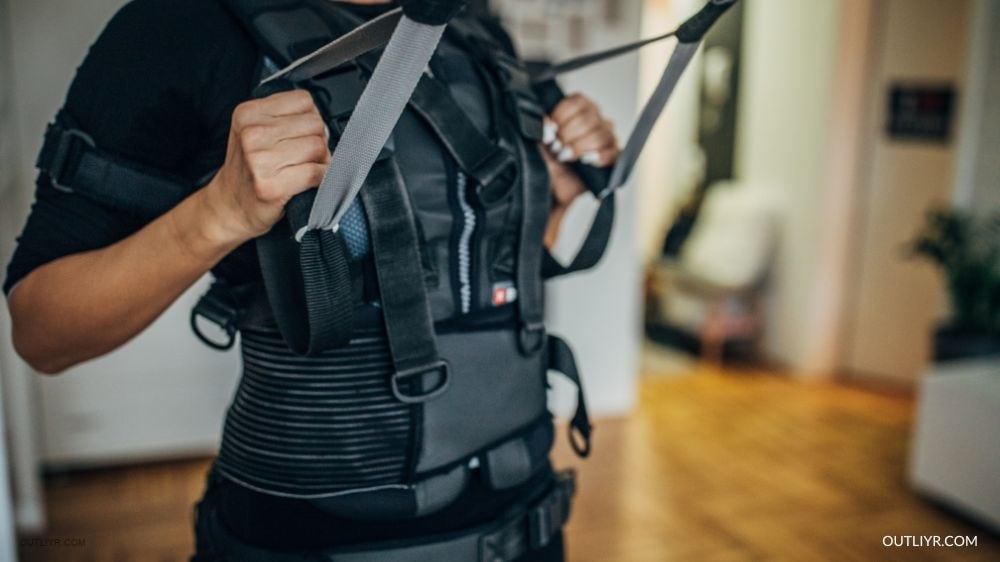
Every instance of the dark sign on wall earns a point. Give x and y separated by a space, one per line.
921 112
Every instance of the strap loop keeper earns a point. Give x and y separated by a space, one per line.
531 337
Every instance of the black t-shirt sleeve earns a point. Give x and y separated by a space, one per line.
157 87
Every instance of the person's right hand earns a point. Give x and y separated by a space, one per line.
277 149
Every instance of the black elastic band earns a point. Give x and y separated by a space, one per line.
75 164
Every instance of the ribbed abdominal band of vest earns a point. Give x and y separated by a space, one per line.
312 427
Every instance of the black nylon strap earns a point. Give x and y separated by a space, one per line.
309 284
531 291
405 306
596 180
561 359
491 166
594 245
521 530
75 164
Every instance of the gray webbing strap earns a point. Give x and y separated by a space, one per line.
382 103
403 62
362 39
650 114
408 48
584 61
689 36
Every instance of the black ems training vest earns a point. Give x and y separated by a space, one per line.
390 360
379 380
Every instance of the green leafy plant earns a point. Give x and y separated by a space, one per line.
966 248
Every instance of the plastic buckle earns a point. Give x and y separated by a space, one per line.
540 524
531 337
406 374
61 157
498 174
551 512
217 309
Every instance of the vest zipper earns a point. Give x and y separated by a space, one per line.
464 243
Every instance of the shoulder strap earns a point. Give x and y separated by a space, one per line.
284 30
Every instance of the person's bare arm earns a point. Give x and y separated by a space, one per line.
84 305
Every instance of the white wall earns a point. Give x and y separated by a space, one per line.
15 381
783 135
977 169
7 552
598 312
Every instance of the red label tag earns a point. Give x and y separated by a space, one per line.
499 296
504 293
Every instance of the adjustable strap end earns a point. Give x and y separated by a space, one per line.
695 28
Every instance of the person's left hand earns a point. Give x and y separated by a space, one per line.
576 131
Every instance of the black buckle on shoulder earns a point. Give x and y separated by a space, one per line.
66 145
497 174
517 81
444 374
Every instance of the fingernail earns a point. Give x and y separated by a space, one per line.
556 146
591 158
549 132
566 155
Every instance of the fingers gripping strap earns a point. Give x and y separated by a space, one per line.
689 36
402 64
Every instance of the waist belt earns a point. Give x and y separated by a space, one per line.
523 529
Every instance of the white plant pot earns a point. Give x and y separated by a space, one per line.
955 458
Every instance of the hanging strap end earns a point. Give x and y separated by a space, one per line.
695 28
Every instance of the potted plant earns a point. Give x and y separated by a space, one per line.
966 248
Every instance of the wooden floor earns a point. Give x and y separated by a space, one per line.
713 466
